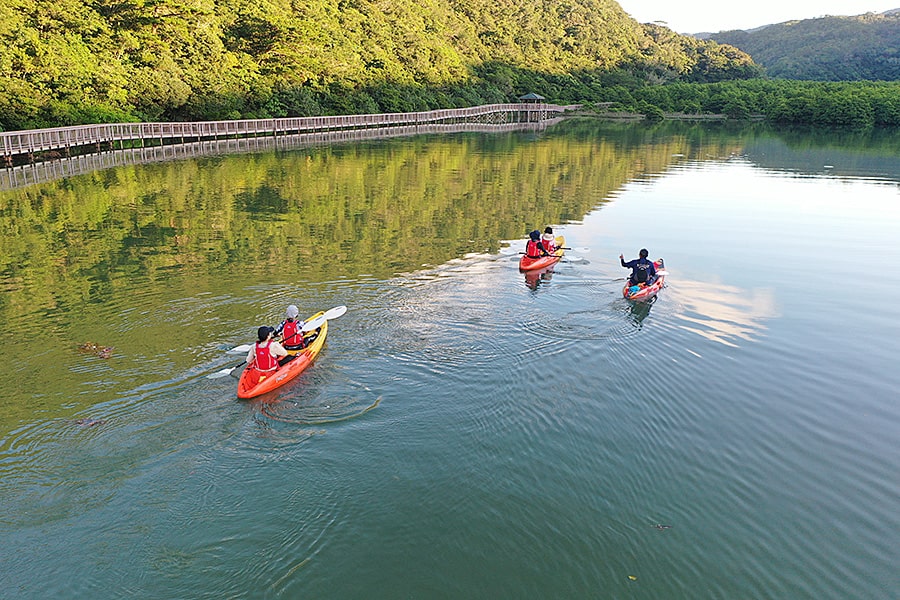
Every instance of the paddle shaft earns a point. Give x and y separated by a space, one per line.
331 313
225 372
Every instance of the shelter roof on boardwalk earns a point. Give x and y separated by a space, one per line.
531 97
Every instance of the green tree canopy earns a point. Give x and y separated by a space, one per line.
77 61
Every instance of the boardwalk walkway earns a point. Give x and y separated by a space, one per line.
59 142
50 170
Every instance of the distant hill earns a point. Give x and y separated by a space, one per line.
862 47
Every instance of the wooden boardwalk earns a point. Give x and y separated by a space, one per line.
42 171
60 142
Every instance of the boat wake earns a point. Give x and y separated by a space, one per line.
332 404
612 322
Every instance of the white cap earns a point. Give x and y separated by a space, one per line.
292 312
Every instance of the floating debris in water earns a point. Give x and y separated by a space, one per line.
87 422
92 348
632 577
659 526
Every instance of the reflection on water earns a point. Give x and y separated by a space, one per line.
638 311
722 313
538 276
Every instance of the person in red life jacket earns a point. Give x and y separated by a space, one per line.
291 336
265 354
548 240
534 248
642 269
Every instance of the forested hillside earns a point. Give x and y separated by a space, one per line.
84 61
826 49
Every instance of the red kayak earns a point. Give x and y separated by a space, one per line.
526 263
254 383
643 291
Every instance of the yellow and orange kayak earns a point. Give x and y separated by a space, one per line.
526 263
254 383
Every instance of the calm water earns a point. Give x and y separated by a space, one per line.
466 432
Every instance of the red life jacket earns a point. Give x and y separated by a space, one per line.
290 333
264 360
549 245
533 249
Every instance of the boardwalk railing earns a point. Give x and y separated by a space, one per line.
51 170
60 141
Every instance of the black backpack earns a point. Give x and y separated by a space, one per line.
640 273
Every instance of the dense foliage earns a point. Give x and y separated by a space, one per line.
826 49
861 104
81 61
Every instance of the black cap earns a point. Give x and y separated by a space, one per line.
263 332
535 235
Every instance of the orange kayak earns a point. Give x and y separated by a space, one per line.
526 263
254 383
643 291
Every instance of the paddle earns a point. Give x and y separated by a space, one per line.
563 258
331 313
313 324
510 251
225 372
334 313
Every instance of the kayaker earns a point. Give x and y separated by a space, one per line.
266 354
549 240
642 269
534 248
291 336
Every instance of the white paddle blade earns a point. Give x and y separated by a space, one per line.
243 349
313 324
663 273
222 373
334 313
